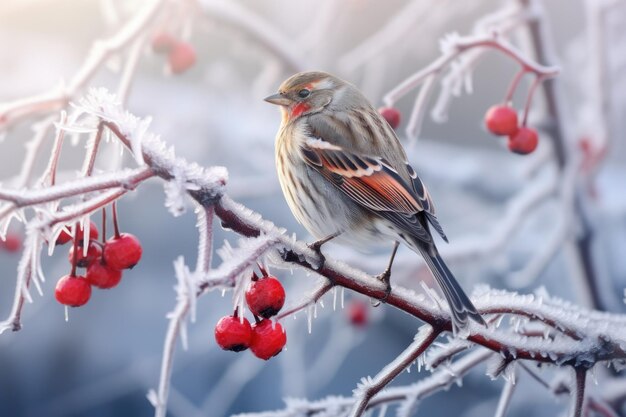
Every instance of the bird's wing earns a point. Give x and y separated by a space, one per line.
374 184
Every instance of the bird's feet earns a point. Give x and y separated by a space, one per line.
385 277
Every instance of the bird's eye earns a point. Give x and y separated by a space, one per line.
304 93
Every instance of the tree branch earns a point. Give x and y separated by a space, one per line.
12 112
370 387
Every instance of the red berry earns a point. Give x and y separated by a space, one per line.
265 297
12 242
501 120
122 252
358 313
391 115
268 339
65 237
163 42
181 57
94 253
99 274
231 333
524 141
73 291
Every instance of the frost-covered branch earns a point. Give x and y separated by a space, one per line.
407 396
455 60
505 398
554 313
59 97
128 179
186 290
455 45
309 299
369 387
176 328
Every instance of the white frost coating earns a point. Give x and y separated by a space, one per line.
185 293
236 268
175 196
148 146
105 106
362 386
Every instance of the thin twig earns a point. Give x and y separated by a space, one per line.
422 341
505 398
101 50
128 179
311 298
579 392
458 47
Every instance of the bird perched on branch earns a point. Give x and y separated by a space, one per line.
345 175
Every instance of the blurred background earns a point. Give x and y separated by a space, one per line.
103 361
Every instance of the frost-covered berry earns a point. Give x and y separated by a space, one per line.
268 339
265 297
524 141
358 313
65 237
391 115
122 252
94 253
73 291
181 57
101 275
233 333
501 120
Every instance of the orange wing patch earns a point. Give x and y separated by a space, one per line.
382 192
367 180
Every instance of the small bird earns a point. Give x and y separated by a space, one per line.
346 176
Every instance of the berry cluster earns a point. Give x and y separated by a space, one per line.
501 120
104 262
180 55
265 338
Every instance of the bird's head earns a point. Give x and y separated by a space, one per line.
305 93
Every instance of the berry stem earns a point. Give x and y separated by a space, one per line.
531 92
513 86
75 251
115 225
104 225
93 152
58 144
236 312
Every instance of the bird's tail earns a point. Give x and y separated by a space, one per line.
461 306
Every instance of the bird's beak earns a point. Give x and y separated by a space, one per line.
278 99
